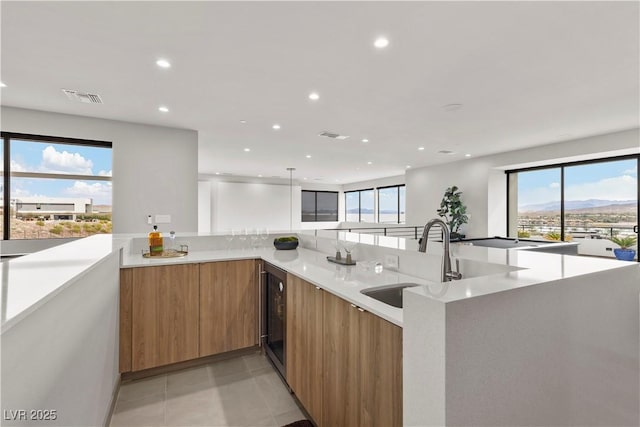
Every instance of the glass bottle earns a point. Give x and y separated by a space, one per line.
155 242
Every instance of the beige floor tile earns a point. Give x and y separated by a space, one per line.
241 392
289 417
146 411
148 387
196 409
226 367
275 393
188 380
256 361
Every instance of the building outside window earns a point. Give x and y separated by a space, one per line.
319 206
55 187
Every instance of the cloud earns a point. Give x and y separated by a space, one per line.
632 171
554 185
104 173
616 188
100 192
54 161
17 167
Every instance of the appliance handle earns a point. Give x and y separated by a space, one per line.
261 272
635 229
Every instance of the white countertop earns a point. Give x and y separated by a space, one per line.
312 266
28 282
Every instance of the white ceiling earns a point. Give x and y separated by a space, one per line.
526 73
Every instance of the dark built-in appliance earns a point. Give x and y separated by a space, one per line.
274 288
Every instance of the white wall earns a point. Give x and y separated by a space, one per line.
248 203
255 205
155 169
64 355
483 181
204 206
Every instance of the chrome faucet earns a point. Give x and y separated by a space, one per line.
447 273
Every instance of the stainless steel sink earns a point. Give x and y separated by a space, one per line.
389 294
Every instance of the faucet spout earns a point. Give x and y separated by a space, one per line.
447 274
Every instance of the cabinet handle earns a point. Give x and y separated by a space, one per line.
361 309
318 288
354 306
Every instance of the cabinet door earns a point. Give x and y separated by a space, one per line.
341 387
228 306
380 372
164 315
304 344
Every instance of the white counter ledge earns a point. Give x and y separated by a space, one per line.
30 281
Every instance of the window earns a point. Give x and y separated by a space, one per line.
594 199
319 206
55 187
360 206
391 204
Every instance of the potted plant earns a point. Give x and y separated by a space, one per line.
453 211
624 253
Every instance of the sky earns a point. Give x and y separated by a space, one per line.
29 156
616 180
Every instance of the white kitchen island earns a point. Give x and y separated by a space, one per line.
525 338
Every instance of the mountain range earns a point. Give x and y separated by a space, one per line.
573 205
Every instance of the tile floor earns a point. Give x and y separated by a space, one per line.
240 392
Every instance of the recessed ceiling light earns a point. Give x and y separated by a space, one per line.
247 150
369 163
467 155
304 178
408 166
243 121
217 173
314 96
259 176
365 140
163 109
421 148
381 42
275 127
308 156
163 63
2 84
452 107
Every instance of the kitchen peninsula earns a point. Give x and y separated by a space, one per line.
523 338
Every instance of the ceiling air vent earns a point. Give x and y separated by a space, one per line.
87 98
332 135
446 152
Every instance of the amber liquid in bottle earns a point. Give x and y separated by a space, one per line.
155 242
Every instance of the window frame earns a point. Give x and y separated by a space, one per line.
7 173
337 194
398 186
562 167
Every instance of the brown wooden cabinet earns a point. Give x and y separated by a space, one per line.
228 306
341 386
304 348
343 363
380 360
164 315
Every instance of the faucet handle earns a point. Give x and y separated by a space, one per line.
455 275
